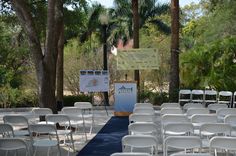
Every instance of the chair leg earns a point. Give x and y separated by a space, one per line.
59 149
48 151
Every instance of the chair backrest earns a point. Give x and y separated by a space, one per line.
170 105
133 118
71 111
216 106
193 111
204 118
41 111
143 105
83 105
174 110
13 144
42 128
182 142
223 142
221 113
225 97
230 119
215 128
210 95
197 95
142 128
140 141
174 118
192 105
130 154
184 95
58 118
16 120
186 128
144 110
6 130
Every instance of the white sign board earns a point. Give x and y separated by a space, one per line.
135 59
125 96
94 81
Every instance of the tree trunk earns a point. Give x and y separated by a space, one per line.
174 66
60 68
44 60
136 40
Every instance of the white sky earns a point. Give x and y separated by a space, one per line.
109 3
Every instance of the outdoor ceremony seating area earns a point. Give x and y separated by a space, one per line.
193 129
37 131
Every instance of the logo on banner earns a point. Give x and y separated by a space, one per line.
125 90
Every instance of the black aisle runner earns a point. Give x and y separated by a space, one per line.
108 139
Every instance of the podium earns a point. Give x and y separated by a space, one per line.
125 97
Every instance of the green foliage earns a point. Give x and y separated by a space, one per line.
69 100
156 98
212 65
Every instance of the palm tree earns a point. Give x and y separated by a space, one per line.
174 66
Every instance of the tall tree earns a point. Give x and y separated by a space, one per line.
174 64
136 39
45 58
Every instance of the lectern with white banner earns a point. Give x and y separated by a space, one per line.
125 97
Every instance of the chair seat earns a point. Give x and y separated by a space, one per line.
21 132
62 132
174 133
45 143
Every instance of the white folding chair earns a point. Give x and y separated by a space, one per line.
192 105
13 144
43 138
143 105
40 113
87 113
169 110
223 143
142 128
63 121
170 105
215 106
221 113
231 119
210 96
19 123
134 118
173 118
182 142
130 154
199 119
76 119
197 96
6 130
192 111
225 97
184 96
140 143
208 130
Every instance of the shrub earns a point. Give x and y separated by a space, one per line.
71 99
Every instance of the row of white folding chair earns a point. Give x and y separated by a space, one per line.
10 143
19 121
202 96
192 142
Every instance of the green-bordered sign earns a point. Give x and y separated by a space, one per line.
135 59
